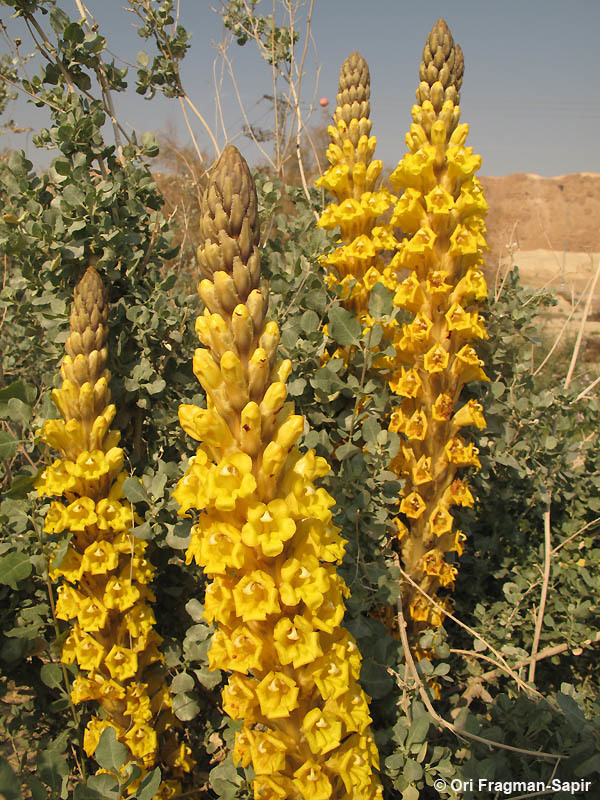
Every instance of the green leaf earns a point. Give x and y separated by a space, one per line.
179 536
157 385
410 793
380 301
497 389
395 762
85 792
143 59
14 568
59 20
53 769
143 531
72 195
134 491
21 485
183 682
17 411
20 391
185 707
74 33
8 445
370 429
343 326
105 785
224 777
591 764
110 753
51 675
36 787
412 770
149 786
195 609
309 321
10 787
418 730
208 678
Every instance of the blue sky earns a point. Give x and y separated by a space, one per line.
530 93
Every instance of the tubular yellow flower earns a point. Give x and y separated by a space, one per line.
352 178
441 208
104 570
265 536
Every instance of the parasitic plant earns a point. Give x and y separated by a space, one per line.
263 533
441 210
104 575
352 176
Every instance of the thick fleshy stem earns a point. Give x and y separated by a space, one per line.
264 534
104 575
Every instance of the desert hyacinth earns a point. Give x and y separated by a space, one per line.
357 265
441 210
263 533
104 574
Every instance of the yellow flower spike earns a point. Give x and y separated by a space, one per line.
470 414
413 506
436 359
416 426
409 213
440 521
269 526
312 781
205 425
104 598
352 178
219 548
296 641
278 695
436 282
256 596
268 752
121 663
239 698
265 536
442 408
244 649
407 384
439 202
421 472
458 494
441 210
323 731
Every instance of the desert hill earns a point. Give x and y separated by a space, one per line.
550 229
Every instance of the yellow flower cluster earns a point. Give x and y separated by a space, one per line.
441 210
104 574
264 533
352 177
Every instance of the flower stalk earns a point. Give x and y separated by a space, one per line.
264 532
104 575
441 209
